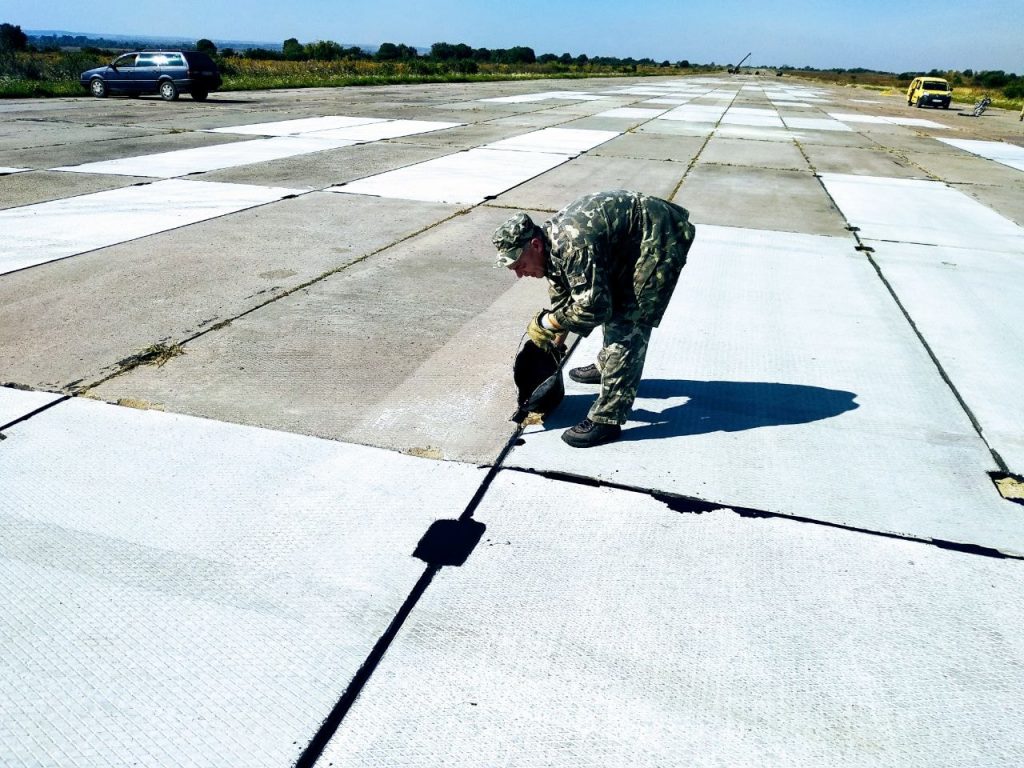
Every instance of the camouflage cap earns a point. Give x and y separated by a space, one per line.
511 237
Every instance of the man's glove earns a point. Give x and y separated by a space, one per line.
539 335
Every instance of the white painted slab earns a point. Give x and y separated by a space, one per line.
815 124
34 234
165 165
563 141
696 113
561 95
4 171
176 591
17 403
299 125
632 112
596 627
789 103
785 378
465 177
921 211
1000 151
389 129
853 117
969 306
667 100
732 117
878 120
917 122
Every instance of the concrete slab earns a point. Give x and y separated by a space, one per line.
764 388
675 128
695 113
324 169
69 323
861 161
175 612
790 201
969 306
41 186
916 211
598 627
652 146
76 153
16 404
297 352
755 154
465 137
969 169
463 178
166 165
36 234
564 141
815 124
631 113
1007 154
298 126
1006 201
389 129
560 186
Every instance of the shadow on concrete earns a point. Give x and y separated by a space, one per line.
715 406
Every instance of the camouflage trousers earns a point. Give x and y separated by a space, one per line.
621 362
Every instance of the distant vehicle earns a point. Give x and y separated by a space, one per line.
929 92
165 72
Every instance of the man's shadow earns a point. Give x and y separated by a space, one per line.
714 406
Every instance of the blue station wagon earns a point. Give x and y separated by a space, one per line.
165 72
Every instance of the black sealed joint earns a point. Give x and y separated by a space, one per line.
449 542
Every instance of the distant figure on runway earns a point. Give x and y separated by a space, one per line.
611 259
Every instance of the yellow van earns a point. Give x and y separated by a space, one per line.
929 92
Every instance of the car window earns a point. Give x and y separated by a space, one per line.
934 86
148 60
172 60
128 60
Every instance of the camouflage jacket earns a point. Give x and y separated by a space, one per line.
615 254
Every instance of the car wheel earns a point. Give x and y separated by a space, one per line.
920 103
200 95
97 88
168 91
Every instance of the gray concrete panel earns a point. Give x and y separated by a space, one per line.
39 186
587 173
303 364
861 161
652 146
788 201
601 628
755 154
158 607
785 378
73 320
1007 201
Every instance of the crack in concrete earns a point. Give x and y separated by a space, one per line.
692 505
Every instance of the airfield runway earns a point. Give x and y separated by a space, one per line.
253 349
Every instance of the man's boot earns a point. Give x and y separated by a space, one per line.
588 433
587 374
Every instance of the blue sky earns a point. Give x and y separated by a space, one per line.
896 35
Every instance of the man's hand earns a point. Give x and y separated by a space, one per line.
539 335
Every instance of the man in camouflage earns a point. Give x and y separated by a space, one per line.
611 259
